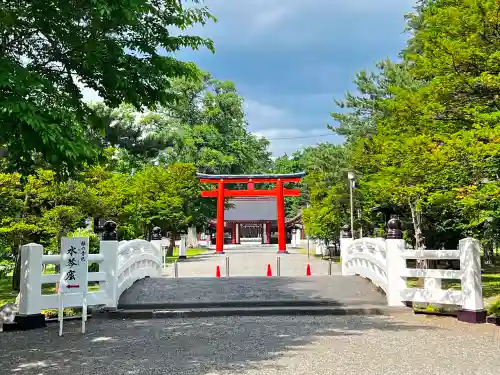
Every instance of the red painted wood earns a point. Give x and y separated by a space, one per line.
250 193
254 180
280 203
233 233
219 239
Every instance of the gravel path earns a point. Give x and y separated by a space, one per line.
405 344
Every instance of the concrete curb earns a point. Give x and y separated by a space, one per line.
237 304
245 311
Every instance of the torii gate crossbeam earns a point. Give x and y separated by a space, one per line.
279 192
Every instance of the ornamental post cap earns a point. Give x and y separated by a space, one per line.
109 226
109 233
156 233
394 231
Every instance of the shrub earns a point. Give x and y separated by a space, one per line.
494 308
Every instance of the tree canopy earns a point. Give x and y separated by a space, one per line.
50 49
422 133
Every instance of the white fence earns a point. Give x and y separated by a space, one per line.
120 265
384 263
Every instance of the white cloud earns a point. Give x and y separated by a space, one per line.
293 139
284 130
269 19
293 21
262 116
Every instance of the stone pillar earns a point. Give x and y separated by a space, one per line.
472 309
396 264
238 241
156 243
192 237
109 250
29 316
346 241
320 244
182 246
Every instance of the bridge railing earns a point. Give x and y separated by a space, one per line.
120 265
384 262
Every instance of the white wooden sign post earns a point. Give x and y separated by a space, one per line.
74 274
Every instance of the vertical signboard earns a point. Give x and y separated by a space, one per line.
74 274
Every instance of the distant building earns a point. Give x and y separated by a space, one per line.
254 218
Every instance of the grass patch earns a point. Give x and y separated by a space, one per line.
491 288
494 308
189 254
7 295
415 282
490 278
335 259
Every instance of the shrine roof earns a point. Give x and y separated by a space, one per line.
229 177
253 209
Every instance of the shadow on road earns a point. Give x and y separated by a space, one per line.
193 346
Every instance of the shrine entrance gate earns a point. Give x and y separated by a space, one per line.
279 192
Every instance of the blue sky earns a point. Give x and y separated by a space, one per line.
290 58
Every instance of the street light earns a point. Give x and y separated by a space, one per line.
351 176
307 236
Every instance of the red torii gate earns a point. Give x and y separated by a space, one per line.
279 192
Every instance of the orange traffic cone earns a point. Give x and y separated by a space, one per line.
308 270
269 272
217 272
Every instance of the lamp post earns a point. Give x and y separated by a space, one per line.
351 177
307 236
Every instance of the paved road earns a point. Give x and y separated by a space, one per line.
247 281
408 345
251 260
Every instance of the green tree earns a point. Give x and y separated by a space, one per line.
326 182
163 197
119 49
368 106
208 128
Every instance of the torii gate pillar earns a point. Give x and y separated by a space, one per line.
279 192
280 207
219 233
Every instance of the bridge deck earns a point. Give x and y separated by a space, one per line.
247 281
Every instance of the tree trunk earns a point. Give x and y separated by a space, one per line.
16 275
416 216
170 249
